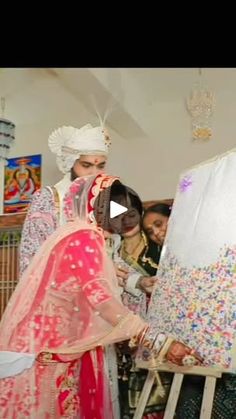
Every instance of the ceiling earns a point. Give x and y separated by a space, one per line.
132 94
147 112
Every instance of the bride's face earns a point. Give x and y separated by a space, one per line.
126 224
133 232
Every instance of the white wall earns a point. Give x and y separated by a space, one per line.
150 162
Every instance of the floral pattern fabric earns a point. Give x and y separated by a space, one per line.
41 221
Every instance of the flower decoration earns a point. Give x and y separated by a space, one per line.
185 183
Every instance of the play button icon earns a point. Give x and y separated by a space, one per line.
116 209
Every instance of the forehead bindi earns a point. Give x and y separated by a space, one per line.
93 160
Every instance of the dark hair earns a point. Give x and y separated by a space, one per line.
130 197
73 175
161 208
123 195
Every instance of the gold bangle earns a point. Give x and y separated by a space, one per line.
137 340
145 330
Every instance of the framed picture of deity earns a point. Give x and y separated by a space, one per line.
22 179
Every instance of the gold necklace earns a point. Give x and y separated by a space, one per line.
134 250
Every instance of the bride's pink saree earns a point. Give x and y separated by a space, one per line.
64 310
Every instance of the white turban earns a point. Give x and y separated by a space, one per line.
68 143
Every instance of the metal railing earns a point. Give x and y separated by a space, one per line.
9 264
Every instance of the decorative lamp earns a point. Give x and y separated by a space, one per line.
200 105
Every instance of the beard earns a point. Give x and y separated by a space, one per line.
73 175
